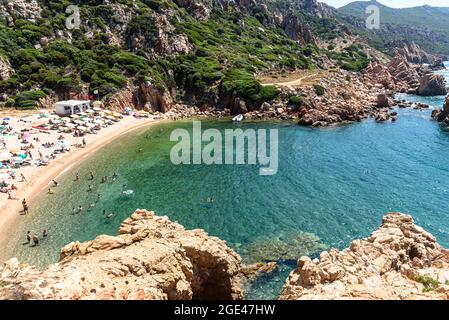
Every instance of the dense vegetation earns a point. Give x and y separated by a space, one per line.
229 48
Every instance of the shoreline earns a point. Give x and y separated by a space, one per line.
42 176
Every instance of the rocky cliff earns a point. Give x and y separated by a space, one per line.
398 261
151 258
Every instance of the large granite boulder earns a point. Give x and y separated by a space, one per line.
151 258
432 85
398 261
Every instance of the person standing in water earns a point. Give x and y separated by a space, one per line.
45 233
77 177
92 177
28 237
35 240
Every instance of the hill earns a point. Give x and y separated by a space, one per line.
427 26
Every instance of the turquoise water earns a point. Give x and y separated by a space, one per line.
333 185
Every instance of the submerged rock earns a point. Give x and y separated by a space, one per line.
398 261
286 247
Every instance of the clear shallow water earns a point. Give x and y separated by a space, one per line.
333 185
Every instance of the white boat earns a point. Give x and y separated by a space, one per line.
238 118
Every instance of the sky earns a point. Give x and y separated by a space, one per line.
393 3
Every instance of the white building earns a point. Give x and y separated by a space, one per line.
69 107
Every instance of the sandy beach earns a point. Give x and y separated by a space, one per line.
40 178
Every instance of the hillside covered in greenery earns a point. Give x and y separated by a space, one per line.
425 25
198 50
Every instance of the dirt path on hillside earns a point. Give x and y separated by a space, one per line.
294 79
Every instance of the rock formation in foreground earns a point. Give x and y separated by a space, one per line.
398 261
442 115
152 258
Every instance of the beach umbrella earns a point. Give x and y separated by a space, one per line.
81 123
82 128
14 150
5 156
108 112
82 114
4 176
17 159
56 121
97 109
90 111
70 125
74 116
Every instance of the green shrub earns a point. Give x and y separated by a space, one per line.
429 283
268 93
319 89
28 99
296 100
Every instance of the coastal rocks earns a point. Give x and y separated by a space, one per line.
151 258
414 53
432 85
442 115
383 101
393 263
150 97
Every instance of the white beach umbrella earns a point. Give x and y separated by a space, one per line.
70 125
81 123
74 116
90 111
82 128
5 156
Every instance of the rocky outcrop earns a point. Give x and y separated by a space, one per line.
5 69
298 31
414 53
442 115
151 258
162 41
432 85
20 9
398 261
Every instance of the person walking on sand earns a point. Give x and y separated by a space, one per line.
25 206
23 177
9 195
84 142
